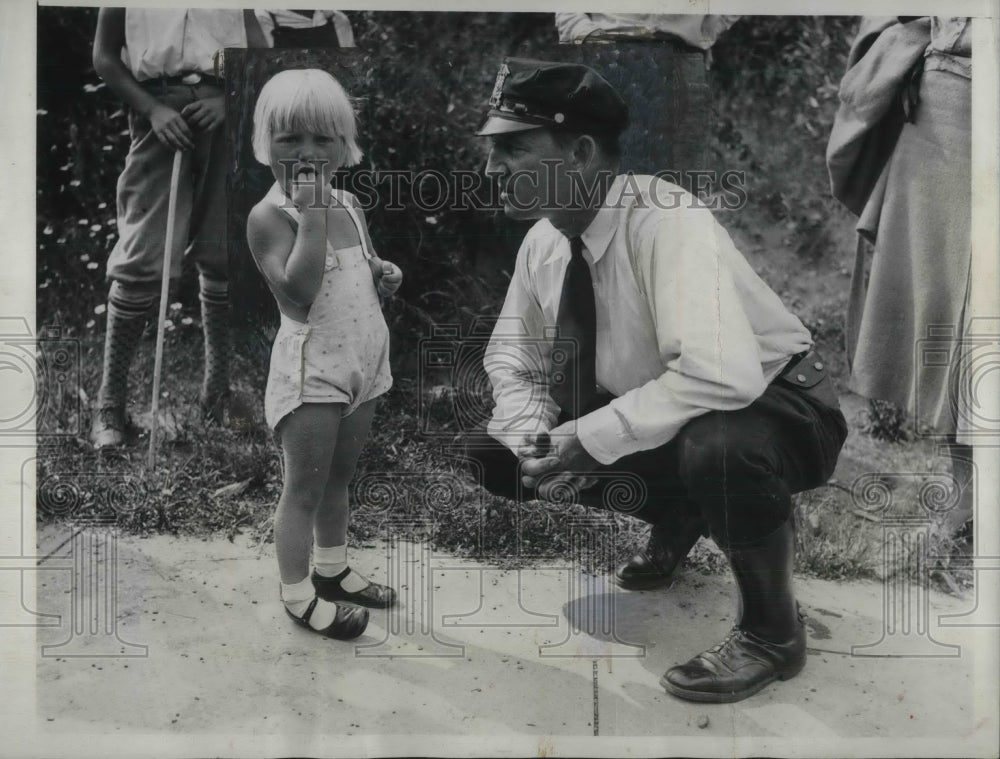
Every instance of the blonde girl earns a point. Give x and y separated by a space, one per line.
330 358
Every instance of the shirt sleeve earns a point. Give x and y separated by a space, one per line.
345 33
703 335
517 361
574 26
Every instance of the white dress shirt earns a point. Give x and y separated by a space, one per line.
684 325
172 41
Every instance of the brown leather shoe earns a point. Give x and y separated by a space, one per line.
668 544
737 668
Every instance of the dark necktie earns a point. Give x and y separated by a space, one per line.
574 380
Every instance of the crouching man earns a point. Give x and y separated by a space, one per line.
635 339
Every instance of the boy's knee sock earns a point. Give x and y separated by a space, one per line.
331 561
128 308
214 296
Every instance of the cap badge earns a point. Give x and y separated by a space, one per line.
502 75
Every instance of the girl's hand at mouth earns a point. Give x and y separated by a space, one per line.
309 190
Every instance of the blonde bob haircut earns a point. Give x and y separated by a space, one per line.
304 100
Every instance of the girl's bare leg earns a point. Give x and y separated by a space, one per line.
308 441
330 553
331 517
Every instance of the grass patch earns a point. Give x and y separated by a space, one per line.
211 481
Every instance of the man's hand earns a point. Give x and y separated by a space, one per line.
207 114
565 457
170 127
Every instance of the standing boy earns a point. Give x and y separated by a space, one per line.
160 62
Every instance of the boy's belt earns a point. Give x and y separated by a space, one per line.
635 35
190 79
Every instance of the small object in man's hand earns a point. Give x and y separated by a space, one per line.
538 449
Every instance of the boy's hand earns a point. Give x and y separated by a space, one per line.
170 127
205 115
388 276
309 190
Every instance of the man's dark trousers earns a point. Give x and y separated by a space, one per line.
738 468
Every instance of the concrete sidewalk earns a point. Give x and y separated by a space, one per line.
188 637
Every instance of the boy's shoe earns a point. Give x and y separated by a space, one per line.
109 428
214 409
348 624
234 410
374 595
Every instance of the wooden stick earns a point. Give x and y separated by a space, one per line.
161 323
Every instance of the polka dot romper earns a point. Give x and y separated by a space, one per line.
340 354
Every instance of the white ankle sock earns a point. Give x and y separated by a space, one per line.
297 597
330 561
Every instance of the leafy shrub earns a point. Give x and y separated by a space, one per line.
885 421
776 81
82 137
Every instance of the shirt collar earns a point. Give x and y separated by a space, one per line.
597 236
